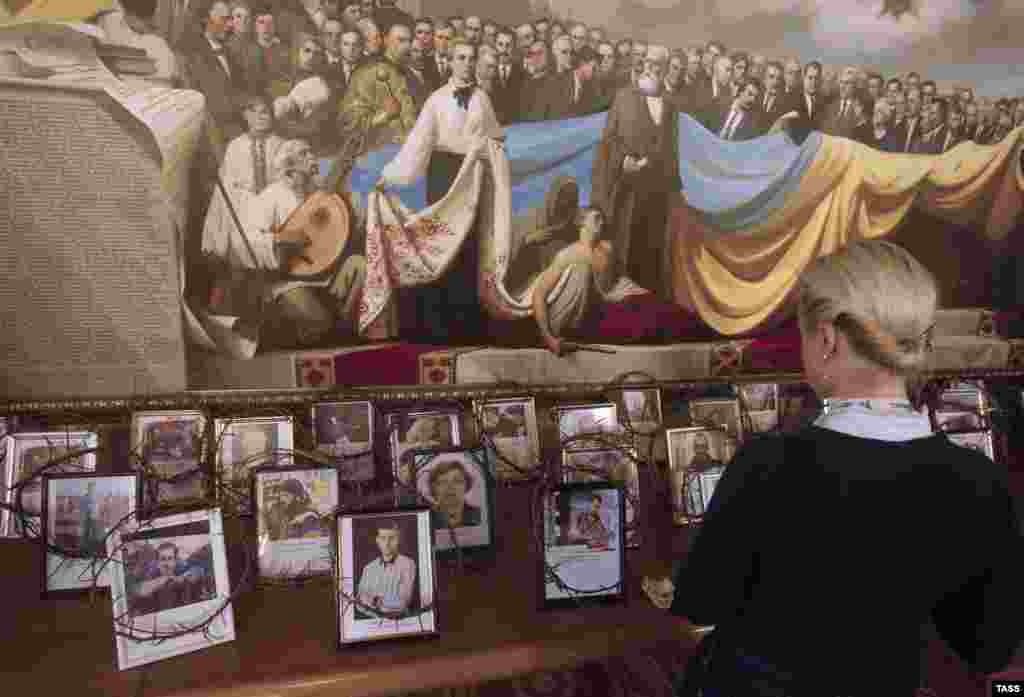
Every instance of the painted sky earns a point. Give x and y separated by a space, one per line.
950 40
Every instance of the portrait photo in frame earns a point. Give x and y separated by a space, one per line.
759 396
295 507
614 465
957 421
386 576
585 558
242 446
172 444
963 406
344 431
79 512
761 402
715 413
511 426
170 574
975 440
25 454
419 430
640 409
697 457
459 488
576 420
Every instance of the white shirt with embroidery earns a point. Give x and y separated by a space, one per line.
442 125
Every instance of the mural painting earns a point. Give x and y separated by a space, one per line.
511 173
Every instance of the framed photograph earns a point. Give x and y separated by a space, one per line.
963 396
798 407
640 410
608 465
716 413
511 425
580 419
420 430
763 421
697 457
344 430
24 455
169 574
759 396
955 421
585 557
761 400
387 576
294 510
460 489
79 511
245 444
978 440
172 444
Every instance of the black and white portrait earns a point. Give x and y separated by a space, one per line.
716 413
294 509
510 426
344 430
579 420
80 511
759 396
27 456
386 575
171 445
434 430
456 485
386 554
244 444
641 409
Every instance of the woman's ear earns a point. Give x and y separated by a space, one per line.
829 335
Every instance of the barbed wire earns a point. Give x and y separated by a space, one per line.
543 471
125 625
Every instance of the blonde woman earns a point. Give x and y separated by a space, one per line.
824 552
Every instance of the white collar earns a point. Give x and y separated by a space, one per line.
880 419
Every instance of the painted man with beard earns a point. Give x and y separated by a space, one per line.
292 516
636 170
380 103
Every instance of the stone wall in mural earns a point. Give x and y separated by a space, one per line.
363 174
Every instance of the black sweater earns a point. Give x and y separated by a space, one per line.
825 553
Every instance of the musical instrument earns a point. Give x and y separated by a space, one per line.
323 225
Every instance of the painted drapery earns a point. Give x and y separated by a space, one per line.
739 251
751 216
